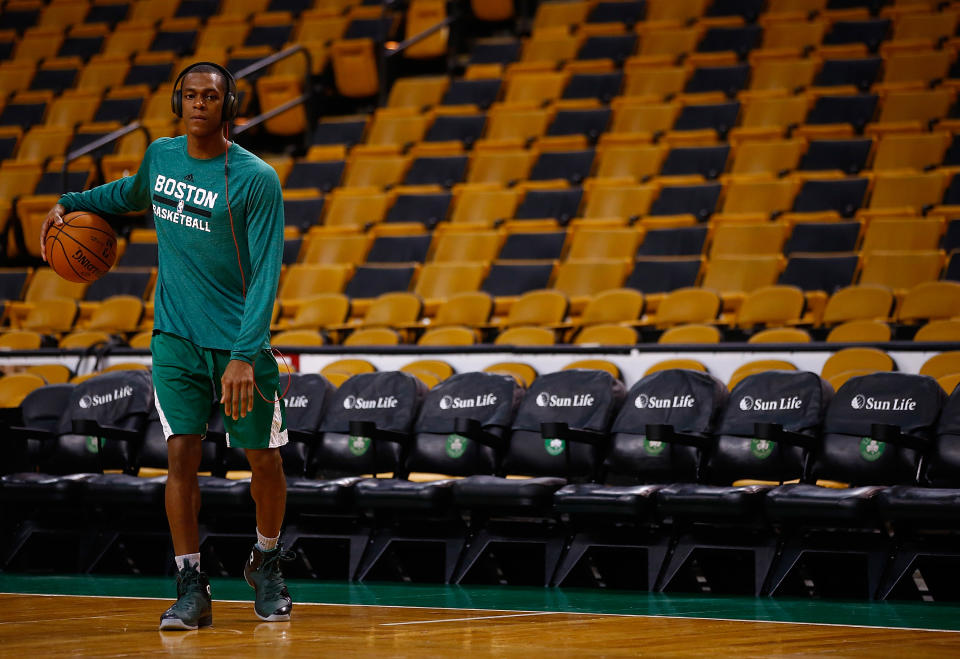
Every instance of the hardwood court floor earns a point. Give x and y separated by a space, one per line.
111 626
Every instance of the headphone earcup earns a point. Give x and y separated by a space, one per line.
231 107
176 101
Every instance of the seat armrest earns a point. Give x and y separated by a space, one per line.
891 434
559 430
472 429
663 432
369 429
774 432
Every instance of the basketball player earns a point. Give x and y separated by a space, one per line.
217 280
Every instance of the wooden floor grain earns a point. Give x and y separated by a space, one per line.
32 625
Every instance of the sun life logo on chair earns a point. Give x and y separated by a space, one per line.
554 446
643 401
749 403
380 403
358 445
456 446
762 448
861 402
545 399
88 401
871 449
456 403
297 401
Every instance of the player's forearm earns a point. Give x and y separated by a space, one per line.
116 197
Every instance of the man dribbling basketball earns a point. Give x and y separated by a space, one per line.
221 246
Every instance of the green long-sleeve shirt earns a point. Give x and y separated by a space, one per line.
199 294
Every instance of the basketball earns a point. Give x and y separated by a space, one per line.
83 248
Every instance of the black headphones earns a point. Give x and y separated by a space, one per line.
231 106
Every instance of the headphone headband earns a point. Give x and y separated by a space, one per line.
231 106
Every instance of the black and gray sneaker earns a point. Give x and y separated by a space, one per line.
272 602
193 607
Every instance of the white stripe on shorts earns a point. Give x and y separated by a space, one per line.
167 433
278 437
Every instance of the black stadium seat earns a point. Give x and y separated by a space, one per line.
533 246
368 422
815 272
923 517
795 403
561 205
636 466
663 274
876 429
556 438
844 196
681 241
462 430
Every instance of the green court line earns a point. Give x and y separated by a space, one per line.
918 615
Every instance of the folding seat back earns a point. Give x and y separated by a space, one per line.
440 170
560 205
615 47
419 92
681 241
855 110
820 273
725 79
428 209
707 161
856 451
398 249
823 237
659 274
689 402
741 273
371 281
102 424
368 421
305 399
35 436
585 402
533 246
574 166
943 467
844 196
796 401
697 200
848 156
516 278
740 40
464 424
721 117
860 72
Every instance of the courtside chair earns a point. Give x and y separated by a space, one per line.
620 511
876 429
554 439
755 441
447 439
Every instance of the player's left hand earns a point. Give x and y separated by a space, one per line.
237 387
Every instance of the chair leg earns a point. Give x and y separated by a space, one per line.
97 549
474 549
375 547
552 551
19 539
876 558
576 547
897 569
453 548
677 557
783 563
763 556
656 559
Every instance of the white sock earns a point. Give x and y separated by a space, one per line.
194 560
265 543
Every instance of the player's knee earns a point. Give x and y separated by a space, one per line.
265 461
183 454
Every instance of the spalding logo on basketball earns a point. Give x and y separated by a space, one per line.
83 249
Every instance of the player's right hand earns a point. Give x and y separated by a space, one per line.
55 216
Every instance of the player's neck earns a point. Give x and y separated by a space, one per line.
209 146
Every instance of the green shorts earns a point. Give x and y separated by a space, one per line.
186 380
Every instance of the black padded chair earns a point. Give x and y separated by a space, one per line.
100 428
620 511
844 196
462 430
924 519
366 429
772 419
558 436
876 429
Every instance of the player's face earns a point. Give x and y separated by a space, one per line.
202 103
